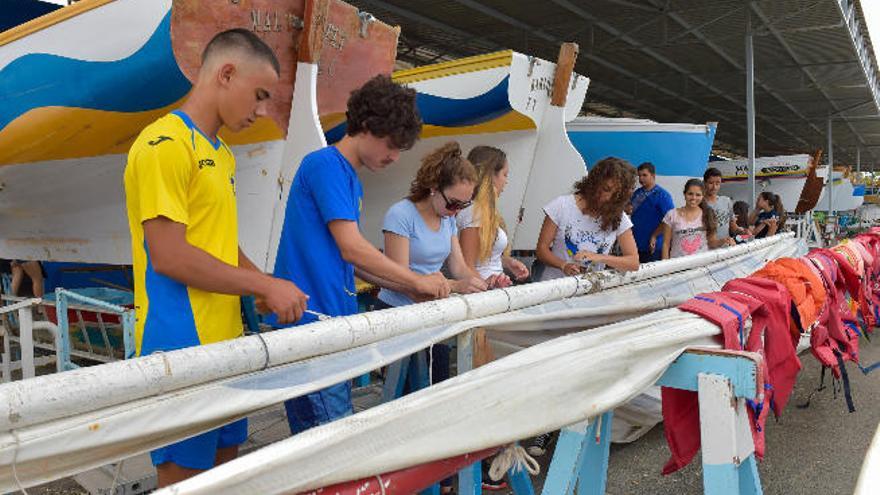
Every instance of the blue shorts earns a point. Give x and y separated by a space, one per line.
199 452
319 407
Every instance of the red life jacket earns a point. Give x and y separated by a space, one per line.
871 244
681 412
835 337
848 265
770 335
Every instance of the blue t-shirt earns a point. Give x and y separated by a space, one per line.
325 188
649 208
428 249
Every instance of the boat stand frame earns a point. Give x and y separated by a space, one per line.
723 381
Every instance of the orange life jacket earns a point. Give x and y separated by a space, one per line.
805 288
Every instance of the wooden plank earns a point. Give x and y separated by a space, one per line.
741 368
568 53
482 349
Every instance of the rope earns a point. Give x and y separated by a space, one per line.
15 463
265 350
431 365
513 457
469 312
381 484
168 372
509 300
116 476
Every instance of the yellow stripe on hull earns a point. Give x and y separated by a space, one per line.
460 66
331 120
511 121
61 133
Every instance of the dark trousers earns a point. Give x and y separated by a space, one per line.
647 257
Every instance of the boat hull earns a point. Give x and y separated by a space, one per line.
678 151
63 150
781 175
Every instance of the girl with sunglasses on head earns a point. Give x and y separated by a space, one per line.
580 229
420 233
481 228
420 230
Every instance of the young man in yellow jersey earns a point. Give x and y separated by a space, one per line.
188 266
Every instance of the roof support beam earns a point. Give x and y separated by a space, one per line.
489 11
860 45
730 60
750 105
414 16
621 35
704 25
797 60
444 27
580 12
634 5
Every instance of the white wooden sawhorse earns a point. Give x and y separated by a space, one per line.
723 380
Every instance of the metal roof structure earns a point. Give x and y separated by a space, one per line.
682 60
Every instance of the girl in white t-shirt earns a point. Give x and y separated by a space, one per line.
580 229
690 229
481 229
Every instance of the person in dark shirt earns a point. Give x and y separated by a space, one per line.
649 204
769 215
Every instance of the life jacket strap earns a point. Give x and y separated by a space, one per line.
739 317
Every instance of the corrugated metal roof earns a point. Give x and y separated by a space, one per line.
681 60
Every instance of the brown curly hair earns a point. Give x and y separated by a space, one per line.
384 109
440 169
616 170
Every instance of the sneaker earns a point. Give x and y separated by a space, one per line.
539 445
492 486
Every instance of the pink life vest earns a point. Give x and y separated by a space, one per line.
681 412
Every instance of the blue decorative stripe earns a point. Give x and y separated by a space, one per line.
453 112
739 317
146 80
170 323
681 154
194 128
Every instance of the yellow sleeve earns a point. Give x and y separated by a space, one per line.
161 176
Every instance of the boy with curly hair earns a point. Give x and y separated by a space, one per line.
321 246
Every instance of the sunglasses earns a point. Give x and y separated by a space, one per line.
454 204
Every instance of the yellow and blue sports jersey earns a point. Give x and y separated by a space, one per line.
175 171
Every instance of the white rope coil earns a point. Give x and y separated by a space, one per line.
513 457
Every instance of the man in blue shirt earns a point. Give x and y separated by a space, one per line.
321 246
649 205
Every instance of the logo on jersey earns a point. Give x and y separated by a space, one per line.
207 162
159 140
232 182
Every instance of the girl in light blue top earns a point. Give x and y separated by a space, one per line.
420 231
